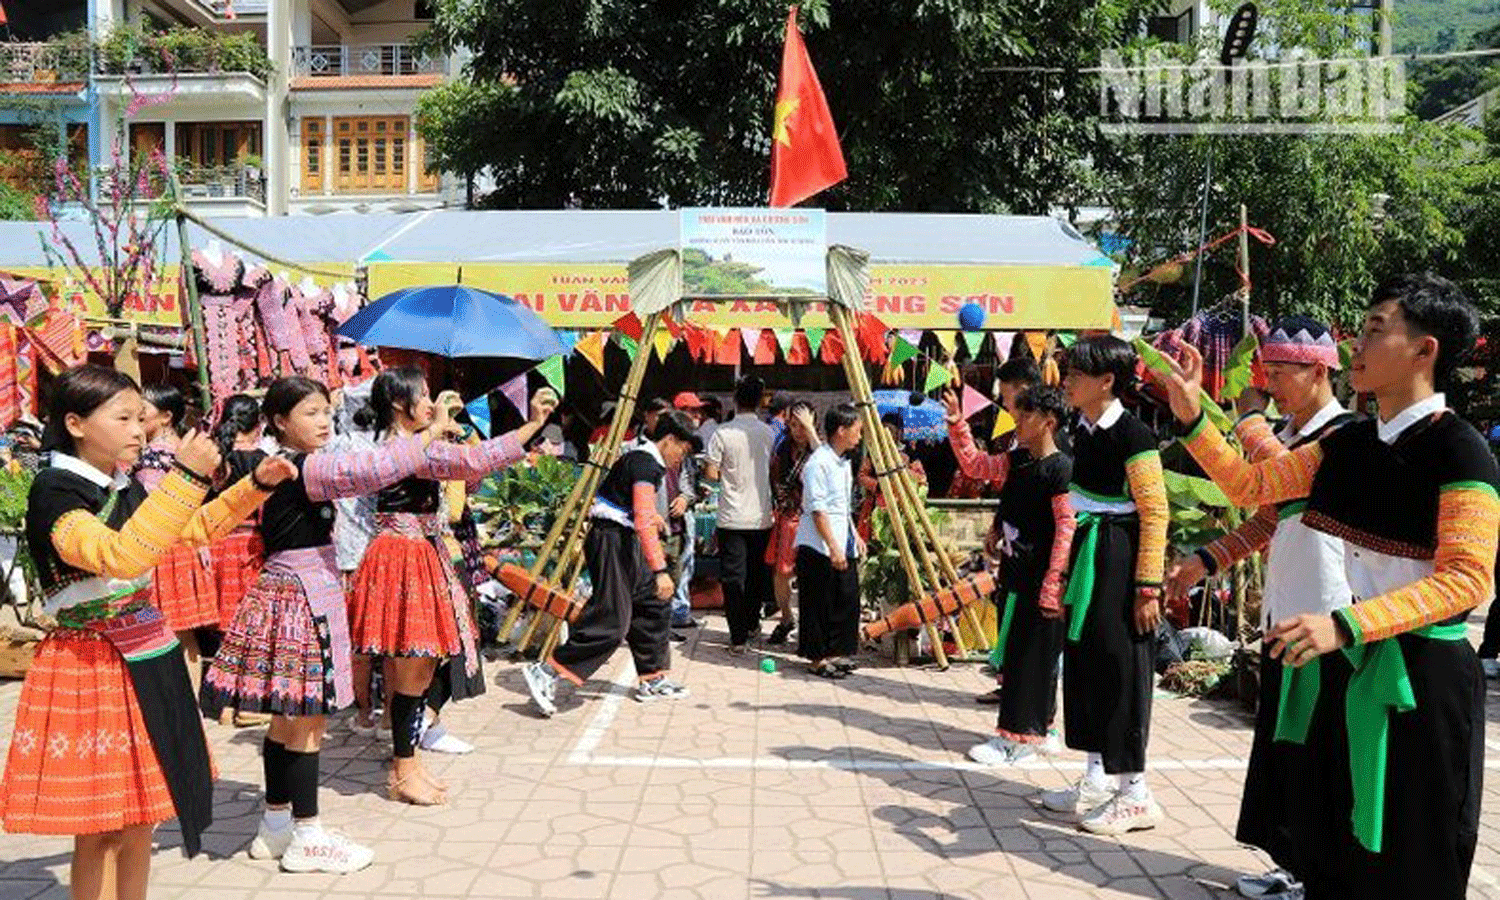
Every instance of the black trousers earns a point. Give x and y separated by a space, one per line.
1433 782
746 578
1489 648
623 607
1028 690
1108 674
1273 807
827 606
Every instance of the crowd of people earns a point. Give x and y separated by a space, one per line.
326 555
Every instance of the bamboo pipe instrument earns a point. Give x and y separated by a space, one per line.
547 575
918 510
964 593
865 403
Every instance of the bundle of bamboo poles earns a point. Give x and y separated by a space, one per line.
547 588
944 591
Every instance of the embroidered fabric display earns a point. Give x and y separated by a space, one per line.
1214 332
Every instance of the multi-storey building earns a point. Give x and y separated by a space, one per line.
267 107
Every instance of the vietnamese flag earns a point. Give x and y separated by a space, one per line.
805 153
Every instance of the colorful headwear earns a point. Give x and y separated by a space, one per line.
1298 339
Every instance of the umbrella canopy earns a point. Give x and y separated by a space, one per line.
453 320
925 422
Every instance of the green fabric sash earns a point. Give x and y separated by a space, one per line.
1379 686
997 655
1081 582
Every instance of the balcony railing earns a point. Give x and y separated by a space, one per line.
43 63
200 182
332 60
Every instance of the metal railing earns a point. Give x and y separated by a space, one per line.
200 182
42 63
331 60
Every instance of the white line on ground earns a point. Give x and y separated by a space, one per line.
609 707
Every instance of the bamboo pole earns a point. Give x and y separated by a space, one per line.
865 403
556 556
195 308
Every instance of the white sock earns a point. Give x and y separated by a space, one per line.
306 827
1133 785
277 819
1095 771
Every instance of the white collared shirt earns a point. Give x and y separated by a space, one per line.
1112 414
1305 571
117 482
827 488
1406 418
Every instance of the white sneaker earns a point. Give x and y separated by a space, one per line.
383 734
438 739
997 751
1081 799
543 687
318 849
1276 883
660 688
270 843
1123 814
364 731
1491 667
1053 745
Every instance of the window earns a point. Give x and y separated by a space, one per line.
1178 29
214 144
312 156
372 155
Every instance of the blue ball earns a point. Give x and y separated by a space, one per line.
971 317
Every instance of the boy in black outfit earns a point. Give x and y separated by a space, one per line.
628 569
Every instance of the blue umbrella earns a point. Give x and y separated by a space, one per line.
453 320
925 422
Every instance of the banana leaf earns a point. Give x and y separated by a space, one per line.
1241 368
1156 362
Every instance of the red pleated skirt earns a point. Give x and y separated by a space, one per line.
401 603
781 552
237 561
81 761
183 588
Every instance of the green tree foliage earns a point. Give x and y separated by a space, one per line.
722 277
611 103
1436 86
1345 209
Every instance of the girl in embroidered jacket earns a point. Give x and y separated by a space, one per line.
182 586
1113 597
1031 538
408 603
107 741
1412 493
287 650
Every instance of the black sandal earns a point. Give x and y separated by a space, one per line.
845 666
828 670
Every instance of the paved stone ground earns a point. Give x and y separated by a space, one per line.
759 786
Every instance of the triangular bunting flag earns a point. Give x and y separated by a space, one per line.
591 348
974 401
629 324
1003 340
1004 424
728 351
784 341
751 337
937 376
913 336
1066 338
974 340
765 349
1037 341
815 340
479 413
833 347
947 339
801 353
628 344
568 336
552 369
663 343
694 339
513 391
904 350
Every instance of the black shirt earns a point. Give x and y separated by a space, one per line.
1099 457
55 492
290 520
1024 520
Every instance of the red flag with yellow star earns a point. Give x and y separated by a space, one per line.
805 153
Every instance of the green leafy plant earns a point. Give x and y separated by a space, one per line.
519 505
882 577
15 484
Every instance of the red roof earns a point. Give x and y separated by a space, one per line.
47 87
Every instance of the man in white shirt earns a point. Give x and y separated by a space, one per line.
739 458
828 551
